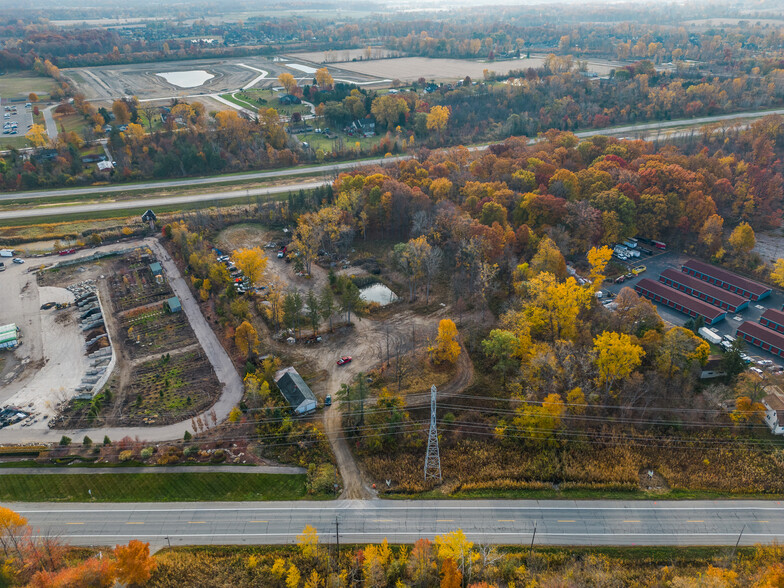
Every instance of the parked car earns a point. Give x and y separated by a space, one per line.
638 270
281 255
328 400
18 260
344 360
756 371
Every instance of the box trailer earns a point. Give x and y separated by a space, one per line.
709 335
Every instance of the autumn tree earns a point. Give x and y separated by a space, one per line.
742 239
450 575
308 542
616 357
37 136
327 305
323 78
246 339
747 411
712 233
455 546
422 568
388 109
777 275
598 258
437 119
554 306
535 423
288 82
252 262
134 564
122 115
447 347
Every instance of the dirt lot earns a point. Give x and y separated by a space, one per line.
409 69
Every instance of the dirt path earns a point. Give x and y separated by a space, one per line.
366 345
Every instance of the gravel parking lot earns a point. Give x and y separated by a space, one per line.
657 263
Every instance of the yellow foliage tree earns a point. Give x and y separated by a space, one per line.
554 306
777 275
37 136
287 81
246 338
437 119
293 577
598 258
252 262
235 415
742 239
616 357
458 548
323 77
447 347
308 542
314 580
747 411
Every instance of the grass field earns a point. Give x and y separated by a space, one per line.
255 99
16 86
176 487
70 122
320 141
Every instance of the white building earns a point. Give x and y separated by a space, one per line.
774 409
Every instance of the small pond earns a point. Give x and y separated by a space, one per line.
377 293
187 79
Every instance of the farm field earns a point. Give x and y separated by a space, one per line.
151 329
133 285
169 389
153 487
409 69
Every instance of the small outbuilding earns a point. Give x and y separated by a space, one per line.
173 304
156 268
296 392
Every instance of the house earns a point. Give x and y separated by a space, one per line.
296 392
94 158
105 166
289 99
173 304
774 409
713 368
363 128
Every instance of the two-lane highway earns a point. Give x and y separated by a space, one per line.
502 521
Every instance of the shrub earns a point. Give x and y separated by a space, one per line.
191 451
87 441
126 455
64 441
187 436
146 453
218 456
106 440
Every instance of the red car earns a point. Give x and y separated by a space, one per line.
344 360
67 251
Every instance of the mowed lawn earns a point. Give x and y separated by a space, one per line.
170 487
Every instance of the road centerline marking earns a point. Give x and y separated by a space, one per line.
259 521
74 523
506 520
631 521
197 522
567 521
134 523
695 521
445 520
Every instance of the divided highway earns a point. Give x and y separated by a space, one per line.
502 521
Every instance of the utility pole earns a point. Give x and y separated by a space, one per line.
337 540
433 459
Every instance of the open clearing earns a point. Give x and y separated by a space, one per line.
108 82
16 86
409 69
153 487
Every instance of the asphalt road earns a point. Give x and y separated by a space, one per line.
507 522
333 168
193 469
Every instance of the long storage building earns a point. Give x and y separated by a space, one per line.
679 301
762 337
703 290
773 319
726 280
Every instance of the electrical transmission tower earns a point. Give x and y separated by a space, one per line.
433 459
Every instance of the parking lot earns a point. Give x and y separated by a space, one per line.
15 113
658 262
